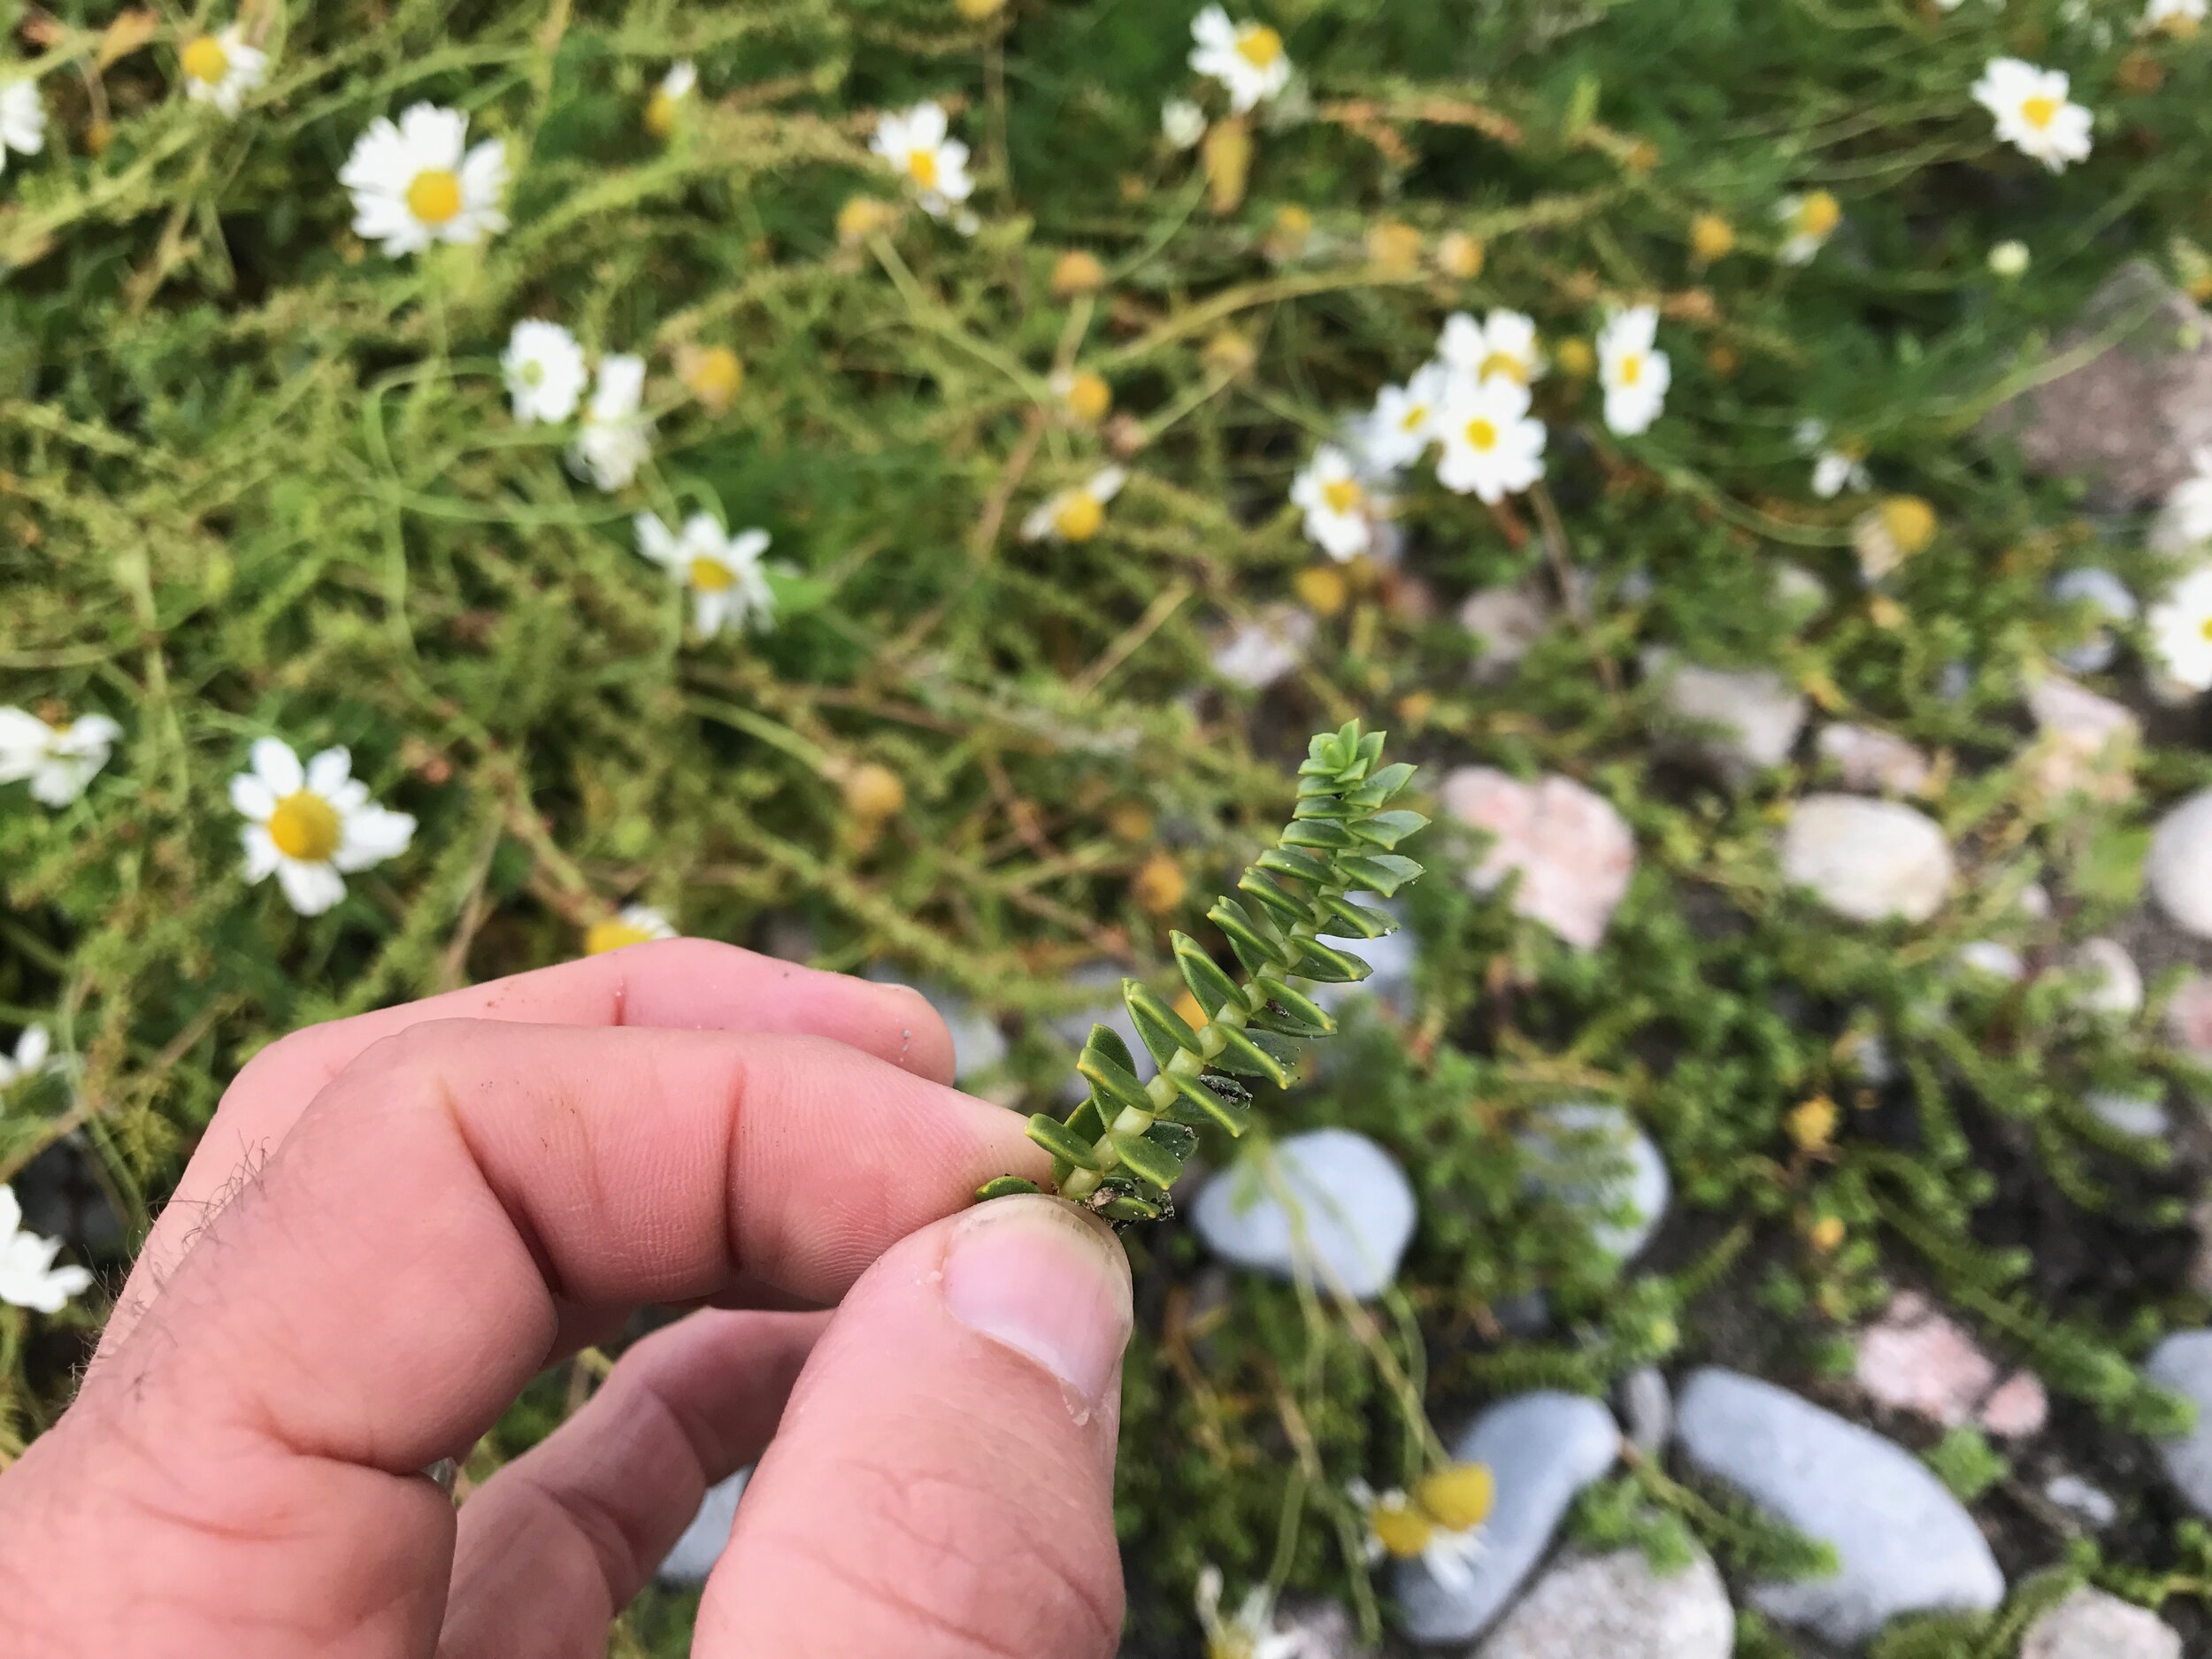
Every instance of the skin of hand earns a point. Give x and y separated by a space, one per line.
394 1221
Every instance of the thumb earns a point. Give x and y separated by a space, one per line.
941 1485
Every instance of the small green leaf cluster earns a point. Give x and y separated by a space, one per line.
1124 1146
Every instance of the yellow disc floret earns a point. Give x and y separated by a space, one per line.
305 827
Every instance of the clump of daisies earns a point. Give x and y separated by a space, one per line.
1247 1633
59 761
22 121
1247 58
666 106
419 182
544 369
724 573
616 436
311 826
1835 468
28 1278
2180 18
916 146
633 924
1807 220
1438 1524
2033 111
1075 515
1634 374
222 69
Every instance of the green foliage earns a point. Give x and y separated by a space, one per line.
1964 1460
1122 1149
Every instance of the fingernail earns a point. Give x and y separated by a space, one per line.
1038 1277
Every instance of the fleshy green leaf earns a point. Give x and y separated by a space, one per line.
1380 873
1118 1083
1328 964
1106 1040
1164 1030
1005 1187
1214 989
1240 1052
1148 1157
1054 1137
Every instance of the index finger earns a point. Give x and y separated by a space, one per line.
676 983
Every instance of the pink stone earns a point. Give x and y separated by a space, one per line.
2084 742
2189 1017
1874 762
1573 852
1918 1360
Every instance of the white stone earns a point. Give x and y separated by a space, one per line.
2084 742
1591 1156
1874 762
1998 962
2142 1116
2179 868
1617 1607
1329 1206
2112 984
2090 1624
2183 1363
695 1554
1573 852
1542 1449
1506 623
1868 861
1903 1543
2089 1503
2105 594
1256 654
1747 718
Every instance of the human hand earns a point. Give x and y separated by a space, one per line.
394 1222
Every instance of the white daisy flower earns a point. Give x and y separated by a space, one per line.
418 182
1074 515
59 762
728 583
544 369
22 119
1403 423
1182 123
1491 446
662 108
1400 1529
1503 343
2010 259
1339 510
1249 1633
1247 58
2032 113
1834 470
34 1056
1635 375
2188 510
1807 222
222 69
312 827
636 925
616 438
913 141
2183 18
2180 628
28 1278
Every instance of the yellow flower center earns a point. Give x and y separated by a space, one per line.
1415 418
305 827
1504 363
1459 1496
613 934
1631 368
1089 398
1077 516
2204 628
1910 521
1342 494
921 166
1481 434
2039 111
1323 588
712 575
660 114
435 196
717 377
205 61
1228 1644
1711 236
1403 1531
1259 46
1818 214
2181 26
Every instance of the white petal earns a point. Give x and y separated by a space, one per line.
433 136
261 853
276 765
310 889
253 798
32 1049
372 835
329 770
11 1213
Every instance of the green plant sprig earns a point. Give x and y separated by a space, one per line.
1120 1151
